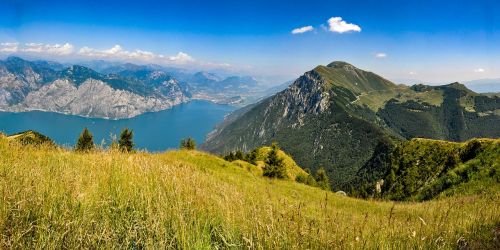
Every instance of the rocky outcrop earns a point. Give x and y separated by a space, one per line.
78 90
94 98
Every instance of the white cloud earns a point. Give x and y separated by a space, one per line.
380 55
54 49
336 24
181 57
302 29
412 73
9 47
117 52
479 70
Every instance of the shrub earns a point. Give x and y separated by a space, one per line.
85 142
322 179
230 157
471 150
252 157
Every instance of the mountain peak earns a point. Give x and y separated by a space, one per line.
459 86
339 64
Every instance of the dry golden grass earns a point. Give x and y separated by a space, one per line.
55 198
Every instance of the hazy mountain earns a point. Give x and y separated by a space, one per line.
79 90
335 116
484 85
478 86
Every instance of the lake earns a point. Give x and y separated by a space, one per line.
155 131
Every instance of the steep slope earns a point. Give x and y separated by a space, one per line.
335 116
315 121
423 169
56 198
450 112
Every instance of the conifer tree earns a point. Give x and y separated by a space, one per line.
274 165
125 143
85 142
322 179
188 144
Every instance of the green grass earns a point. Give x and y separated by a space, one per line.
56 198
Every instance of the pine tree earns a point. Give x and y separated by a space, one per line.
125 143
230 157
322 179
188 144
239 155
252 157
85 142
274 165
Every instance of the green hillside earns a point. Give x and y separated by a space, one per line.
335 116
56 198
423 169
31 137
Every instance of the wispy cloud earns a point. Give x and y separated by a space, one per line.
380 55
336 24
53 49
302 29
9 47
117 52
412 73
479 70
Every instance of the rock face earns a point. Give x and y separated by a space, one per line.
336 116
78 90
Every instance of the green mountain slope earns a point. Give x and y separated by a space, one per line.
423 169
56 198
334 116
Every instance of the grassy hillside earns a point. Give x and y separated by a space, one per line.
55 198
423 169
335 116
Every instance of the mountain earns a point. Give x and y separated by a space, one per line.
79 90
484 85
230 90
335 116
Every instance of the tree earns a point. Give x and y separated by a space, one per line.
252 157
322 179
188 144
85 142
274 165
125 143
230 157
239 155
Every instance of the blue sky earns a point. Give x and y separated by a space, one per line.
437 41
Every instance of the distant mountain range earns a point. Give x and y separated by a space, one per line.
336 116
478 86
113 90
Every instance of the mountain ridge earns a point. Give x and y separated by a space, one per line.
334 116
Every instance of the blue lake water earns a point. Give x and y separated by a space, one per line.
156 131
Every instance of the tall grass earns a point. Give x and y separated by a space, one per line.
55 198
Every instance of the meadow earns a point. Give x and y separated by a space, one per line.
57 198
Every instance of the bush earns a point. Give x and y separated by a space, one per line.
85 142
252 157
188 144
471 150
230 157
125 143
322 179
